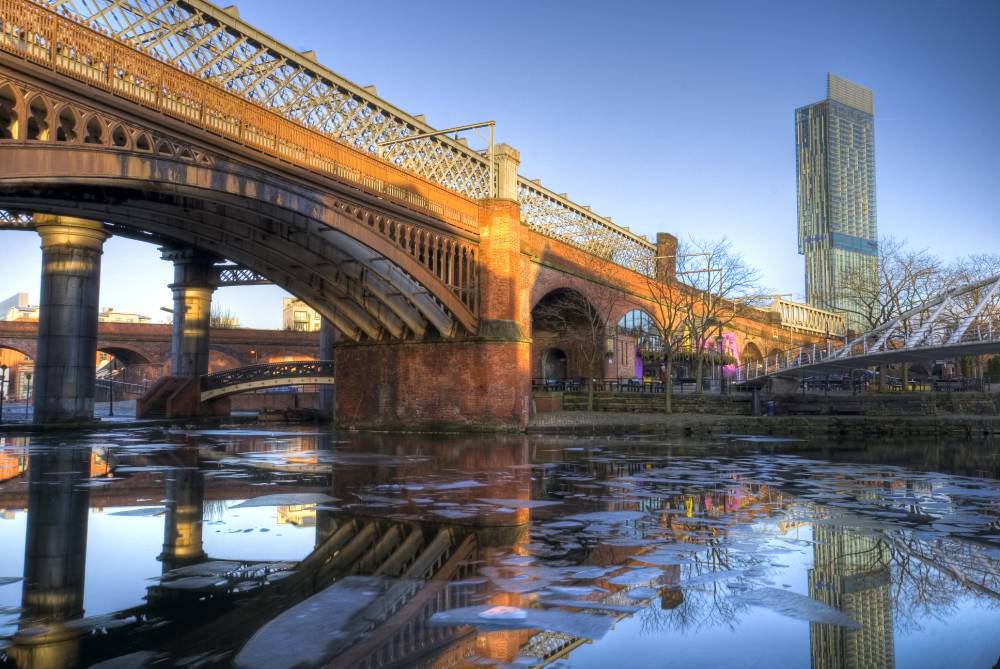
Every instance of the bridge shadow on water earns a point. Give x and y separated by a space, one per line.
299 548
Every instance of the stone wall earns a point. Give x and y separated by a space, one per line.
731 405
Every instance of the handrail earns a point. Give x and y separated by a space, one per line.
303 369
58 43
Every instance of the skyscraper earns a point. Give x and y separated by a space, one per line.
835 174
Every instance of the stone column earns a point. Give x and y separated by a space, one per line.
182 527
67 323
194 283
55 555
327 394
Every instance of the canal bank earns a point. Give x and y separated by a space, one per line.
610 422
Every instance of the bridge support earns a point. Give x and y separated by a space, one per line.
194 283
480 382
327 393
67 323
182 529
54 559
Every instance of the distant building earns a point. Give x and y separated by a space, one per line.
835 174
297 315
16 308
109 315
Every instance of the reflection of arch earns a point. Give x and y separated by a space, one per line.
554 364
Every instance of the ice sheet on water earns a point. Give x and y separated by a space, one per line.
642 593
797 606
142 511
592 605
519 503
585 625
286 499
636 576
608 517
575 590
459 485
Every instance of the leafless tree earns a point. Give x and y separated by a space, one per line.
724 285
673 302
223 318
904 279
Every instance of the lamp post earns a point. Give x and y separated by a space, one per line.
111 388
3 384
27 392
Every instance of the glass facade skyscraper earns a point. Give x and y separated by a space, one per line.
835 174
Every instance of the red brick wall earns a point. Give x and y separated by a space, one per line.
445 385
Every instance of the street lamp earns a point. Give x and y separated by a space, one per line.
3 382
27 392
111 388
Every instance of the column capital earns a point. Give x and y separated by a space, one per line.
69 231
188 254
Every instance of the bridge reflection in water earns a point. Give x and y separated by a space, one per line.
404 533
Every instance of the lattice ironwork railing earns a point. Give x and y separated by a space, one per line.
215 45
278 370
968 314
119 67
236 275
15 220
557 217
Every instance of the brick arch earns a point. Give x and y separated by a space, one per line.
22 346
225 357
129 354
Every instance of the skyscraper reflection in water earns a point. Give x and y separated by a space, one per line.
851 573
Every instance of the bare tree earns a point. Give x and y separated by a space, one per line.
724 284
223 318
673 302
904 279
969 270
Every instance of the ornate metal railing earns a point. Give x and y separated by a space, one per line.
137 71
214 45
557 217
966 315
278 370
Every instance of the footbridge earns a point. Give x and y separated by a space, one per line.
960 321
272 375
177 123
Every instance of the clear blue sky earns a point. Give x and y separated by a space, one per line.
666 116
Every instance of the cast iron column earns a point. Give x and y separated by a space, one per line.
194 283
327 394
67 319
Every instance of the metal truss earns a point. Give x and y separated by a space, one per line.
237 275
960 321
216 45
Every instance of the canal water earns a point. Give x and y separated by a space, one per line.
255 547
